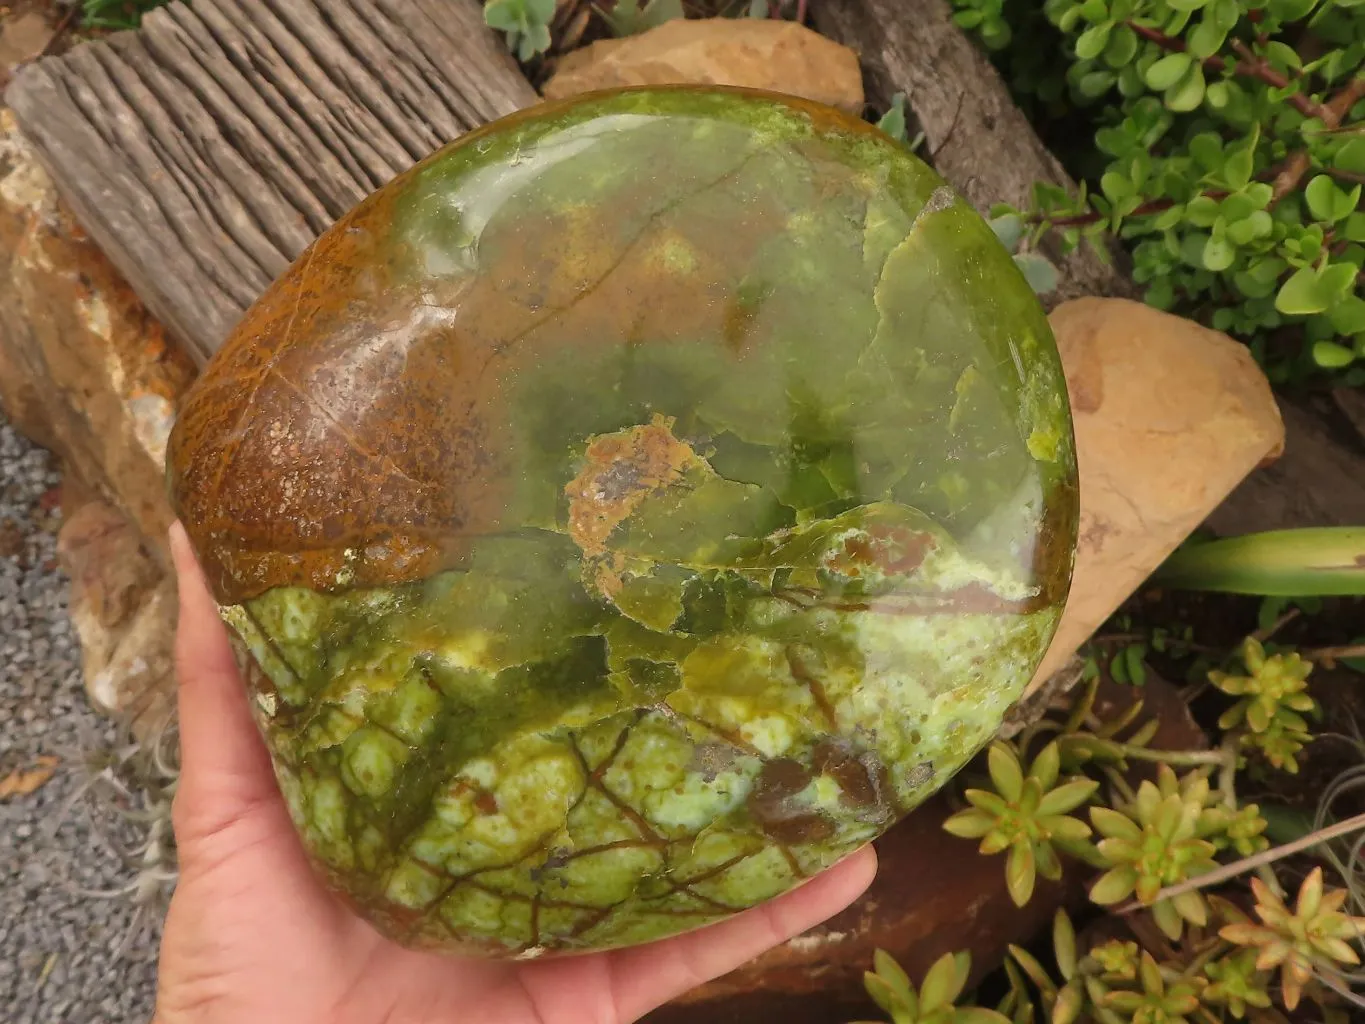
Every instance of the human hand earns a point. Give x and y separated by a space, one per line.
252 937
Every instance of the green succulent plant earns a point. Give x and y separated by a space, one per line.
1311 937
1273 692
1236 983
1159 1000
1158 839
935 1001
1027 814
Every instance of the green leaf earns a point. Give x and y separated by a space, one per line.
1292 10
1202 211
1304 293
1121 48
893 121
1218 95
1095 83
1009 229
1005 771
1188 93
1327 202
1205 39
1348 315
1067 797
940 986
1282 54
1133 656
1218 255
1038 271
1257 224
1167 71
1021 873
1331 356
1351 157
631 17
895 977
1046 766
1114 885
1237 169
1093 40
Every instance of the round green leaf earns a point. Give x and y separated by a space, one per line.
1321 195
1121 48
1331 356
1205 39
1168 71
1093 40
1207 150
1188 93
1351 157
1009 228
1038 271
1202 211
1348 315
1304 293
1256 225
1218 95
1291 10
1218 254
1095 84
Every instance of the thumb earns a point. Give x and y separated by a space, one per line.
225 770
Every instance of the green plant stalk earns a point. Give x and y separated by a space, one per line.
1321 561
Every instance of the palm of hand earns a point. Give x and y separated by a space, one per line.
253 938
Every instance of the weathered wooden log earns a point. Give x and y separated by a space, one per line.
206 151
979 140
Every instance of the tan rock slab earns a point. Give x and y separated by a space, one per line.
780 56
84 369
123 606
1170 417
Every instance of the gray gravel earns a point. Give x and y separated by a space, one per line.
60 956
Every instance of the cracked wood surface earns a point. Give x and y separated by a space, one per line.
979 140
205 151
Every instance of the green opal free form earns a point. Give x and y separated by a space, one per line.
627 513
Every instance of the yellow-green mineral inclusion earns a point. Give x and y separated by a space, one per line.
777 499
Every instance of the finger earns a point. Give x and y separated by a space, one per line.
638 980
224 767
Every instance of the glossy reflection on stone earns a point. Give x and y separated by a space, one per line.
628 512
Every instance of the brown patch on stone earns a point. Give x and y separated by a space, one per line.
862 779
620 471
892 550
770 803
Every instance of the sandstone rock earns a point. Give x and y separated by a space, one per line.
84 369
1170 417
123 606
780 56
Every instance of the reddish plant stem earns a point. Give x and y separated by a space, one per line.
1252 68
1333 111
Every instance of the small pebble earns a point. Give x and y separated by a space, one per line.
60 958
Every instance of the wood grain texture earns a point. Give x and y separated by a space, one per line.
980 141
206 150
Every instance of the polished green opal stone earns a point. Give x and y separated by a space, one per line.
629 512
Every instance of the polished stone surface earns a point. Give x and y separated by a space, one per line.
628 512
